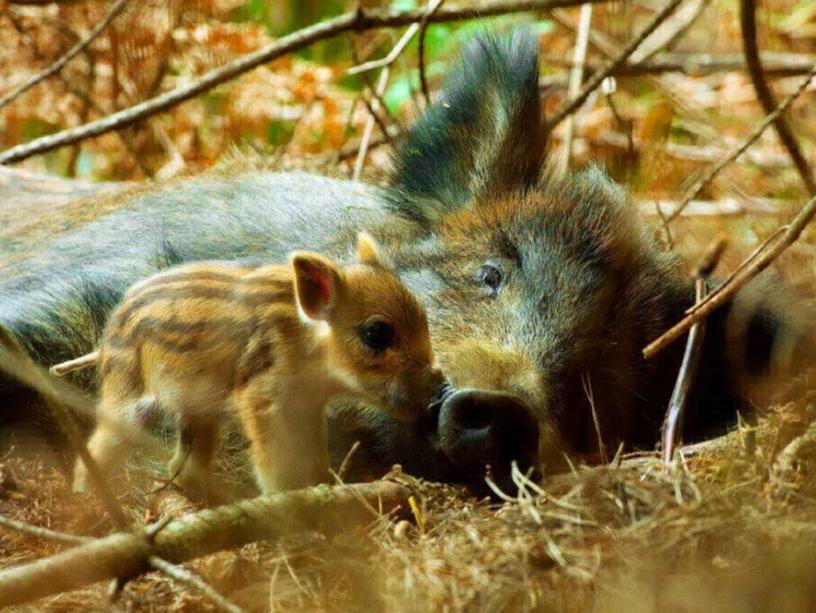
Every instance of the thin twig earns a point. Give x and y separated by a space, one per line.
389 59
346 463
26 38
347 128
747 261
673 427
613 65
625 124
670 31
711 257
749 140
42 533
725 292
67 57
379 90
358 21
664 222
766 97
576 76
587 385
423 29
185 577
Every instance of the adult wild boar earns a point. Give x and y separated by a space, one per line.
541 291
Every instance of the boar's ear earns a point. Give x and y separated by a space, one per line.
367 250
482 136
317 282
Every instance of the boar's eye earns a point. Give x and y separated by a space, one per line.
377 335
489 276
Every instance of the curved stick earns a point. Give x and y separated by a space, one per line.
766 97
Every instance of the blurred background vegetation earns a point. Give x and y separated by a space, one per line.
304 110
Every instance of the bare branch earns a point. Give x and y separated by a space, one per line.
62 61
766 97
725 292
79 93
596 79
575 79
670 30
42 533
389 59
357 21
423 28
379 90
747 262
346 463
185 577
711 257
127 554
749 140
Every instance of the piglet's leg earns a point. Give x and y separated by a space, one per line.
287 436
192 462
118 428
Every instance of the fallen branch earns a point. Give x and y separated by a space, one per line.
176 572
766 97
331 510
42 533
596 79
185 577
725 292
353 21
67 57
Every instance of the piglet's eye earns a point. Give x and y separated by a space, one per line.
377 335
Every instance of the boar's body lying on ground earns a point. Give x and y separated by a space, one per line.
540 291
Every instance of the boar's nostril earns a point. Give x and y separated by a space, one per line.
476 417
480 428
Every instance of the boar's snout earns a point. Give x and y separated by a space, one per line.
480 428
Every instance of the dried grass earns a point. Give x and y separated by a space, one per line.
723 531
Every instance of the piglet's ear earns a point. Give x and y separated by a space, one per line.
367 250
317 282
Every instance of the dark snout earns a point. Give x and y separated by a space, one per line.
483 428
